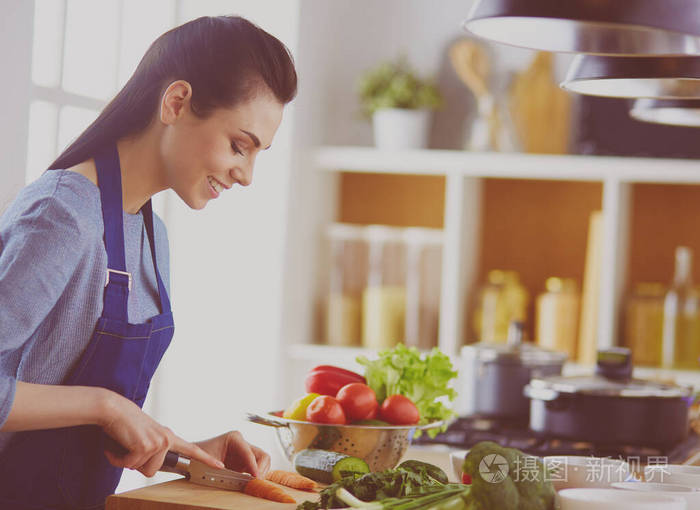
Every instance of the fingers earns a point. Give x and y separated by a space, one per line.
243 456
195 452
153 465
263 461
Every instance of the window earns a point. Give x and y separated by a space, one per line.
83 52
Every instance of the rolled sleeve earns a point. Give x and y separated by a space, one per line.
40 249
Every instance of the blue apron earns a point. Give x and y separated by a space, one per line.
66 468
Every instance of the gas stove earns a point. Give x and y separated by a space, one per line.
465 432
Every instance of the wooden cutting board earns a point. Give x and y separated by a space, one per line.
184 495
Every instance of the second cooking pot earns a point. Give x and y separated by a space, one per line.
492 376
610 407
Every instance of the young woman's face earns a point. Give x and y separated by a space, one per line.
205 157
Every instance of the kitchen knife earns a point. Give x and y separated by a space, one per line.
199 473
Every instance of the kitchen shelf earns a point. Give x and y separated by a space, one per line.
466 178
506 165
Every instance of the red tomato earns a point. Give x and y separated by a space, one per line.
399 410
325 409
466 479
358 400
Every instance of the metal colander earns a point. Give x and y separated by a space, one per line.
380 446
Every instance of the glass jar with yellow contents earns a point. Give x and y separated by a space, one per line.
557 312
501 300
384 298
347 280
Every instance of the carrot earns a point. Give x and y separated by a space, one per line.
262 489
293 480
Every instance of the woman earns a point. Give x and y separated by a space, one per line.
84 309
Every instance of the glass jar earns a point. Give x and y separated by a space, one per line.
644 323
384 298
501 300
423 276
347 280
557 312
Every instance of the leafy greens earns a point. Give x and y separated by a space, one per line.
422 378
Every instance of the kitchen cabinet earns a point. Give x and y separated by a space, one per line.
463 185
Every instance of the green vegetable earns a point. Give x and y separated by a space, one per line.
525 485
425 468
452 498
327 467
392 489
396 85
422 378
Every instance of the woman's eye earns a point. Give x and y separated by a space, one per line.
235 148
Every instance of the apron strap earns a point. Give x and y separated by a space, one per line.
147 211
118 281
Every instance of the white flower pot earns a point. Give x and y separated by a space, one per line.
397 128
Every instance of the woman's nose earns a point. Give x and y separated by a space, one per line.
244 176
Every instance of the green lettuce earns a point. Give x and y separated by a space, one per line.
423 378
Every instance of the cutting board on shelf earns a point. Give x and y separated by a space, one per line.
184 495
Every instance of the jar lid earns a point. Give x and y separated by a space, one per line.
520 354
597 385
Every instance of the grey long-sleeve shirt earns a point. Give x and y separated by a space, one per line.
52 273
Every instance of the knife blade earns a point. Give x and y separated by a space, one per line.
199 473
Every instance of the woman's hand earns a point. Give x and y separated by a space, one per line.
237 453
144 441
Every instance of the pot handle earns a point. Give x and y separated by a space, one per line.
546 394
262 420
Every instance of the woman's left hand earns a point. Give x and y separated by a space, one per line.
237 454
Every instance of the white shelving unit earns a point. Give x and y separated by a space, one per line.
464 172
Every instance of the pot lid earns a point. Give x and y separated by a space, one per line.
514 352
524 353
600 386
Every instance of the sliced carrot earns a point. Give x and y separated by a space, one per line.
293 480
262 489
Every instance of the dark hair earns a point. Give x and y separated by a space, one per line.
226 59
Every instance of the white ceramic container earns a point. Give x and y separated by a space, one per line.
673 473
457 459
691 495
616 499
571 471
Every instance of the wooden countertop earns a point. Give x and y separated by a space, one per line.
184 495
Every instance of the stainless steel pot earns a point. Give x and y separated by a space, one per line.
492 376
610 407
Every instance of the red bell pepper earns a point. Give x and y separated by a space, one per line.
327 379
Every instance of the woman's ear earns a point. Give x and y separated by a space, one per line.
175 101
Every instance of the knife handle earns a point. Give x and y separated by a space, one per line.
171 459
175 463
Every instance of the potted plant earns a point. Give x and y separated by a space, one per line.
399 104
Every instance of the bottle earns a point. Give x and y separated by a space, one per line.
681 331
644 323
503 299
557 313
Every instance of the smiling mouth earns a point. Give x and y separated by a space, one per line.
218 187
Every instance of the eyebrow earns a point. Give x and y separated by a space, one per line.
254 138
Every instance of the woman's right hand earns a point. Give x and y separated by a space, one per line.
145 440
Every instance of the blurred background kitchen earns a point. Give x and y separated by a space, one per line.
425 186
